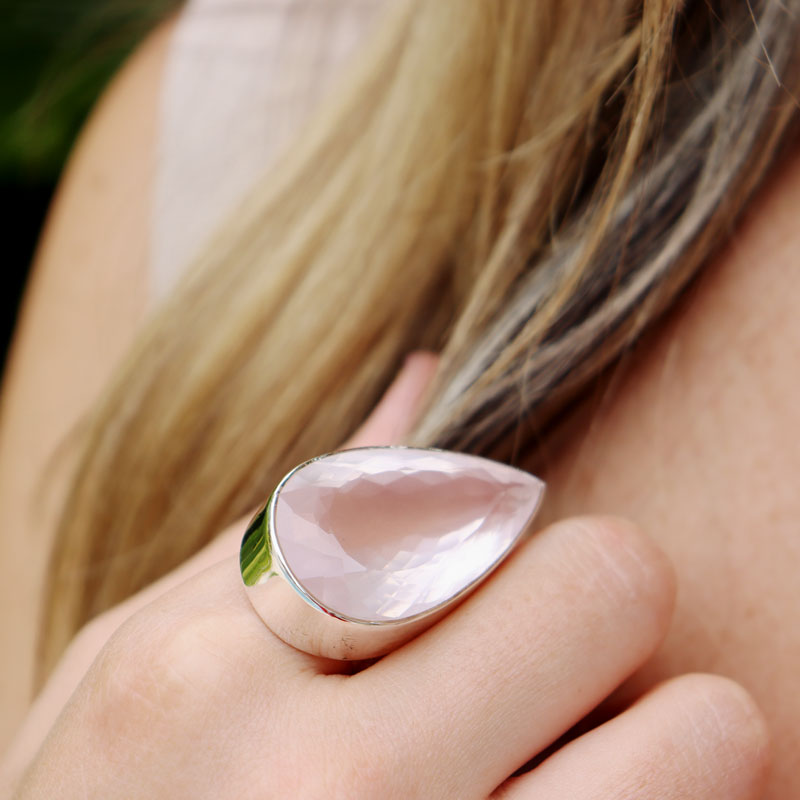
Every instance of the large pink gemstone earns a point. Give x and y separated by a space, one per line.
381 534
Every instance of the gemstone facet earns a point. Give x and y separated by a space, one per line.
384 534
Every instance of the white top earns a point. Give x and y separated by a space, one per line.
241 76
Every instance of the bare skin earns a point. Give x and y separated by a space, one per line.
696 441
87 296
693 441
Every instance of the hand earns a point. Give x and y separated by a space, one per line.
387 424
194 697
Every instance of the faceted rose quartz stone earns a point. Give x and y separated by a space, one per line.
380 534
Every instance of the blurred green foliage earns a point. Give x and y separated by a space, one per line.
55 58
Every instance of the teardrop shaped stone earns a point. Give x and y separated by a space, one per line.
385 533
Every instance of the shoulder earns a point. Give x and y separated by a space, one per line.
87 277
87 294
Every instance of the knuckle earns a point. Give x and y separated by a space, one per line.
152 667
119 694
617 559
726 724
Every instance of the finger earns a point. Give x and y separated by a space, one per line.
566 619
192 633
697 736
193 679
394 415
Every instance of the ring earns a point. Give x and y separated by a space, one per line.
358 551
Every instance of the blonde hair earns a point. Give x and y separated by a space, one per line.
523 186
